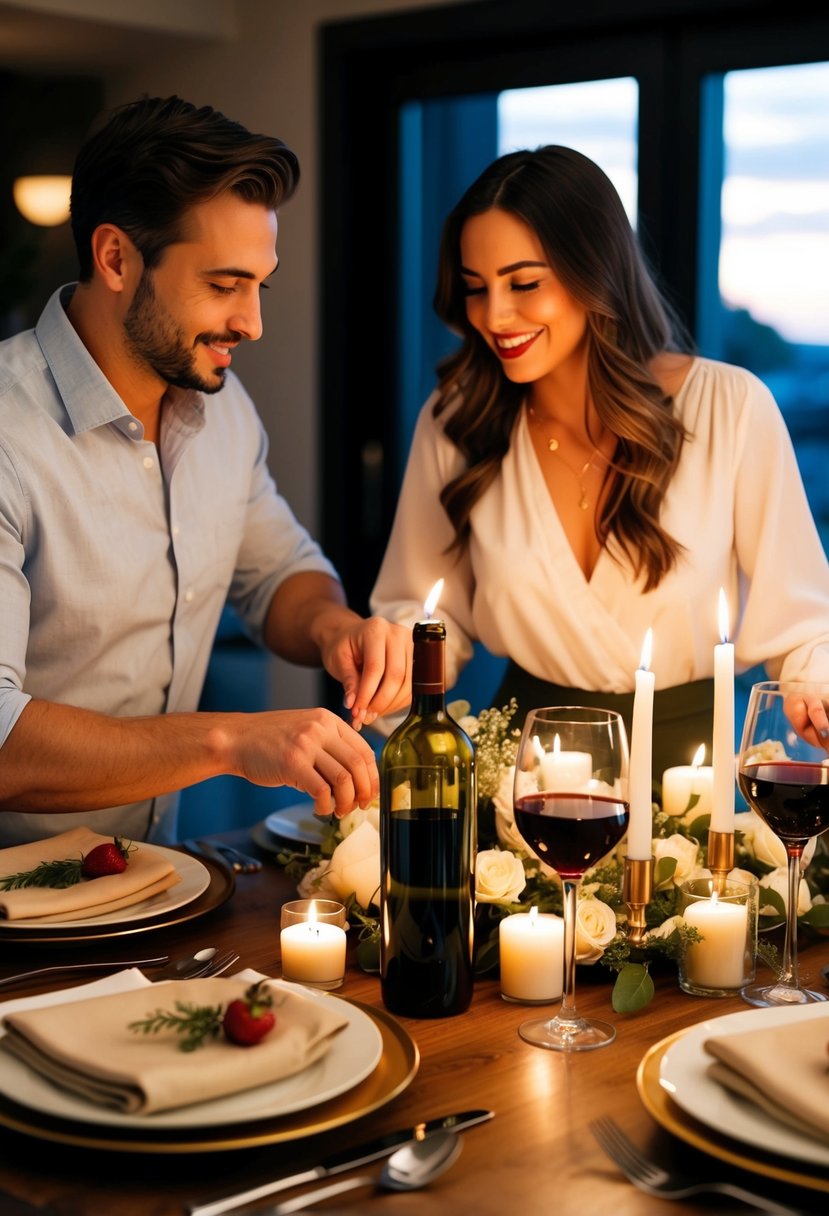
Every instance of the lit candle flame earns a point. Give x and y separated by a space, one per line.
699 756
533 916
647 652
723 616
432 599
556 745
538 749
312 912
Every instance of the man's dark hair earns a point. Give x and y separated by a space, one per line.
156 158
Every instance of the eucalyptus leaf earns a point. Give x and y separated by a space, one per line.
633 989
817 916
771 898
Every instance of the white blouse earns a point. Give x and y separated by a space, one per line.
736 503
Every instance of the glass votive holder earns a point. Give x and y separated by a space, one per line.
312 941
724 960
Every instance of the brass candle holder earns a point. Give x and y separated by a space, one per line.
636 892
720 857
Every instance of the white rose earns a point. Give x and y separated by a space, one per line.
499 877
350 822
778 881
665 929
316 884
355 866
768 848
468 723
595 929
684 851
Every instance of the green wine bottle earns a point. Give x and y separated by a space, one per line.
427 847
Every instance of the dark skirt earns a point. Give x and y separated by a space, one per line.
683 716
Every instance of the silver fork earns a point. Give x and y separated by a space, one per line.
219 964
654 1180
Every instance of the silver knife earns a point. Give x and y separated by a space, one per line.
372 1150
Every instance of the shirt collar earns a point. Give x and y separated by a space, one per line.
88 397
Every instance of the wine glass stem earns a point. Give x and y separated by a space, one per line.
789 976
567 1010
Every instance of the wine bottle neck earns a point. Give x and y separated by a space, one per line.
429 667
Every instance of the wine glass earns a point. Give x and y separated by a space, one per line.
784 776
571 808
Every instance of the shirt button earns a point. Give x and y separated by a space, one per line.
133 426
176 529
149 463
188 595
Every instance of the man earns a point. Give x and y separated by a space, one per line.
135 499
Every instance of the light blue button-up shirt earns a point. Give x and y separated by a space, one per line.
117 556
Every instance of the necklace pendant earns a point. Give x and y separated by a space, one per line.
552 445
584 504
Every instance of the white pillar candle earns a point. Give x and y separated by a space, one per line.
531 951
313 953
722 793
687 781
640 828
719 960
565 771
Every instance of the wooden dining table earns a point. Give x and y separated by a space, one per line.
536 1155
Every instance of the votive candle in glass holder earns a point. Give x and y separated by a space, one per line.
312 941
724 960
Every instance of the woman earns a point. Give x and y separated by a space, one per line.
579 479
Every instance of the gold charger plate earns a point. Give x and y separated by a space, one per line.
399 1062
220 888
658 1104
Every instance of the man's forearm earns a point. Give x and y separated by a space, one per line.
62 758
304 609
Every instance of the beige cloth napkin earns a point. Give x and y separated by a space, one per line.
147 873
91 1051
784 1069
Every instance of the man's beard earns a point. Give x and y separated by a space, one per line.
156 341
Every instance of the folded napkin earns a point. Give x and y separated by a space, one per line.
784 1069
92 1052
147 873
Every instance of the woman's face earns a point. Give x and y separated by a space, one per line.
515 301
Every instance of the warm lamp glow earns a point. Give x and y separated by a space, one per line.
43 199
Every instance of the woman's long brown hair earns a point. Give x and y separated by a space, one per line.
579 219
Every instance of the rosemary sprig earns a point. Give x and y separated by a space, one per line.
63 873
194 1023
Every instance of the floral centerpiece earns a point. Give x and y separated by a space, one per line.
509 877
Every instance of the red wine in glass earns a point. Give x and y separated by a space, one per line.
571 832
791 796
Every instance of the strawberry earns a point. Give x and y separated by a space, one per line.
249 1018
106 859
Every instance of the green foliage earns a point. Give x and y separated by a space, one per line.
194 1023
633 988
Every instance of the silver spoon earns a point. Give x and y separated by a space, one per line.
415 1164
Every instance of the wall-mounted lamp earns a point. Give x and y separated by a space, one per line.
43 198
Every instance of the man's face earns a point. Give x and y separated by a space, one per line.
202 299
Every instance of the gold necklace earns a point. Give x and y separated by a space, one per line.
553 445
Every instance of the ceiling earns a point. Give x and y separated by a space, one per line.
32 41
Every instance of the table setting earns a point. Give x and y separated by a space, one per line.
712 1064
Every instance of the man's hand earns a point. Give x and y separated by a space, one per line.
310 749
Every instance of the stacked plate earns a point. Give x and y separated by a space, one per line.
203 886
675 1086
290 826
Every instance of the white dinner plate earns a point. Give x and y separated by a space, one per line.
684 1074
356 1053
194 880
297 822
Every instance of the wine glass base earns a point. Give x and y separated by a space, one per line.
779 996
563 1034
